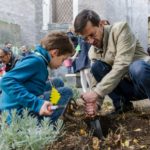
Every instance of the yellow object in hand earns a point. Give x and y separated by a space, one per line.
55 96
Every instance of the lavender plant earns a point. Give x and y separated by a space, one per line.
24 134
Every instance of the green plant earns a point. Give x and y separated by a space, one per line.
24 134
76 93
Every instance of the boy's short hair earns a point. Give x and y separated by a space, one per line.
58 40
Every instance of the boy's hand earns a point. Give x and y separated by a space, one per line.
45 109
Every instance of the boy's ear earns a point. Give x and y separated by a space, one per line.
54 52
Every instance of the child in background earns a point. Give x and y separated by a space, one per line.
68 64
82 63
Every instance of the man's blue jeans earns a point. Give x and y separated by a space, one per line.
137 88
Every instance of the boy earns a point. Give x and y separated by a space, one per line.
26 82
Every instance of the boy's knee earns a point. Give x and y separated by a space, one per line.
66 95
57 82
68 91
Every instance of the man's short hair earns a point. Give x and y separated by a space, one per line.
7 43
83 17
6 50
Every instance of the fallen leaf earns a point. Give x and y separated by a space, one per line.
137 130
122 144
126 143
135 141
143 146
132 147
96 143
83 132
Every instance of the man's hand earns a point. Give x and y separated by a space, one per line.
91 109
45 109
90 99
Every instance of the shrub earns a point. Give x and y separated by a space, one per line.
76 93
24 133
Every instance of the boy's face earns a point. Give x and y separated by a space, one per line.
57 61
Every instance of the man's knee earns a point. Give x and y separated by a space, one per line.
138 69
99 69
95 65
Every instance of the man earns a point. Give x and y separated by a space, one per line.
121 67
25 51
8 61
7 58
25 83
8 45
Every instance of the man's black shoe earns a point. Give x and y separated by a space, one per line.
124 108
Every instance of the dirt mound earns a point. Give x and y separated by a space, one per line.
130 131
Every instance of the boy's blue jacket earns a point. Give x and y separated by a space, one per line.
25 82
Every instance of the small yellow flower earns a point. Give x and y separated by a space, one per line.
54 96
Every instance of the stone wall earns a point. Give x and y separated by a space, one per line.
9 32
25 13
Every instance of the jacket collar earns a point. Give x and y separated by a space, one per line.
43 52
107 30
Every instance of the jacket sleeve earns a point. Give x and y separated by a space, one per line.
125 49
12 84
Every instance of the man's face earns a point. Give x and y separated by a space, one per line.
9 45
57 61
4 58
93 34
24 49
